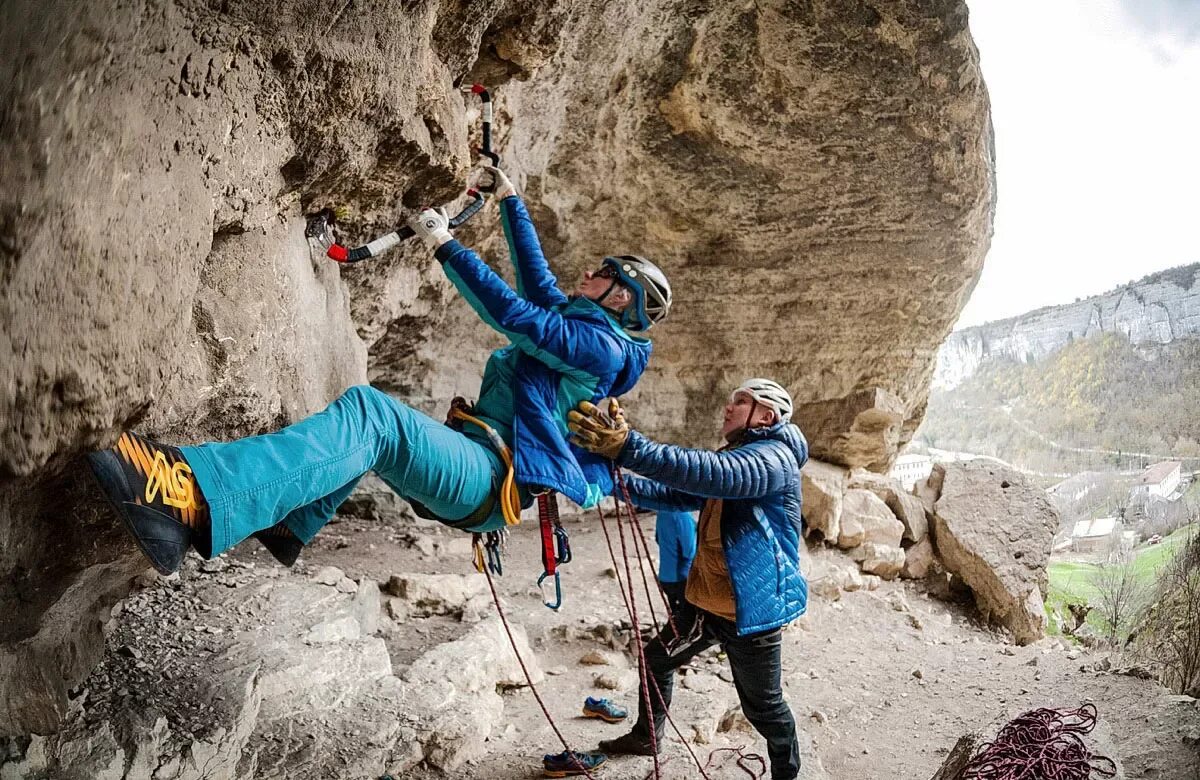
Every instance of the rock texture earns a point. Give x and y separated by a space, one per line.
860 430
993 528
1159 309
817 178
822 486
269 675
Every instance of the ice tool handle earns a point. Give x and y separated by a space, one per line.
321 225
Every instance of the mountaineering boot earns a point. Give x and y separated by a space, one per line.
603 709
631 744
281 543
571 762
153 491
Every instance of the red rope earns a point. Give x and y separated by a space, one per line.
1041 744
643 672
529 678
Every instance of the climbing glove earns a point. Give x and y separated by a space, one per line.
603 433
433 227
501 186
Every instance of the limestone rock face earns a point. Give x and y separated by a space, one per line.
817 180
860 430
993 528
1157 310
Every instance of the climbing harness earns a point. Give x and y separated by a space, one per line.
556 545
320 225
510 497
1041 743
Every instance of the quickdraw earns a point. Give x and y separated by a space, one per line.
556 546
320 225
488 548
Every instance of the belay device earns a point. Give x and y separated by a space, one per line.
321 224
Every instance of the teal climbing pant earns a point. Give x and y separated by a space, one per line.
300 474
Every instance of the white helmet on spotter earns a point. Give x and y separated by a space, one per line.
770 394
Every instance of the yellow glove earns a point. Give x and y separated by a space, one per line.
603 433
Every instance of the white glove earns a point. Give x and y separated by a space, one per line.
502 186
433 227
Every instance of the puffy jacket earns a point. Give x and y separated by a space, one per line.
675 533
760 525
562 351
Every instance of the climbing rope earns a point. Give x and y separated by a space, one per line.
744 759
1041 744
528 677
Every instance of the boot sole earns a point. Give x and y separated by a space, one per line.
106 469
603 717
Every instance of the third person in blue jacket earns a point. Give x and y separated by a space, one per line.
745 583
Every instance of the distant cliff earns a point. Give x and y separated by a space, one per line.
1158 309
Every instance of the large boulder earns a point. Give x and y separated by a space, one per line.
822 485
994 528
865 518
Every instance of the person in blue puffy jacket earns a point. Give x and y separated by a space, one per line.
283 487
745 583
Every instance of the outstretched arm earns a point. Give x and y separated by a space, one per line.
535 281
753 470
562 344
648 494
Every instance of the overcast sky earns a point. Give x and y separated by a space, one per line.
1096 105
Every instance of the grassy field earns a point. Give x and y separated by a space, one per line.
1071 581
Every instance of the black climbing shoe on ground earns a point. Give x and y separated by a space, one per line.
281 543
153 491
631 744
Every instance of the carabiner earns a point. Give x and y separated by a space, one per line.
495 562
563 543
557 590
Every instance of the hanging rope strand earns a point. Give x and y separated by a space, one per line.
528 677
643 672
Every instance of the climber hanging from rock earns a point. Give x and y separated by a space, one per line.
745 583
283 487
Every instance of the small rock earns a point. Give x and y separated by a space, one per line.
915 621
918 673
346 585
329 575
596 658
819 717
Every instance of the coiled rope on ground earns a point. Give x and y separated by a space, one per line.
1042 744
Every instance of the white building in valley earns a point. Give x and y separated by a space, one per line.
1158 482
911 469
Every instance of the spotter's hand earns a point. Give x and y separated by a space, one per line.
601 432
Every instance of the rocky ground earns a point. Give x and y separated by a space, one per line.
354 660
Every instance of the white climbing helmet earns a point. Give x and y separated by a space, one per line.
769 394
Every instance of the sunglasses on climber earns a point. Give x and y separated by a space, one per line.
606 271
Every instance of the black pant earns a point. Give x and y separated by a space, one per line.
755 662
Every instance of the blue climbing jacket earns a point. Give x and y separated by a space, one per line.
561 351
760 522
675 533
